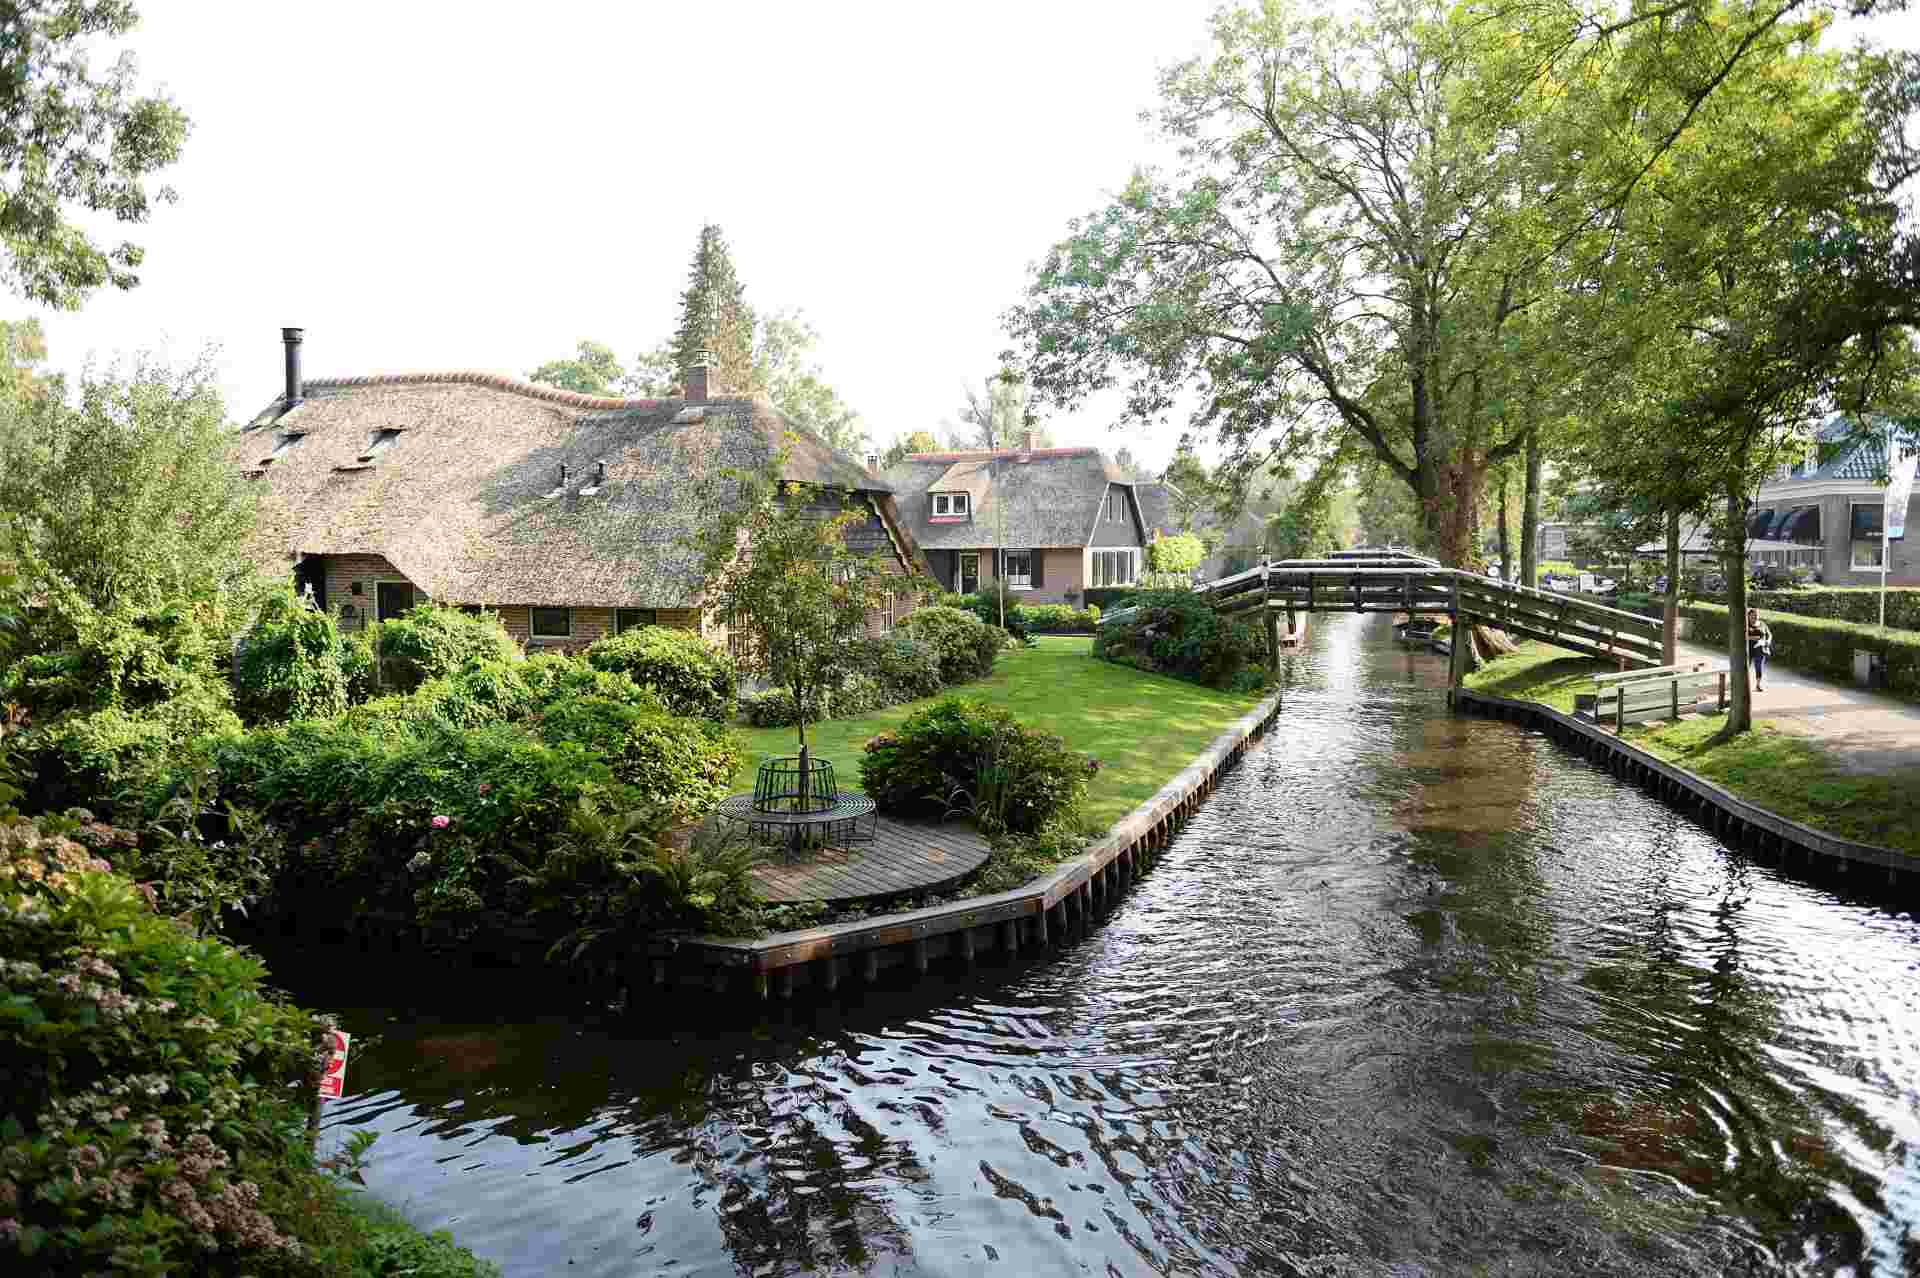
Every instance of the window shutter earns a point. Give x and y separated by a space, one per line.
1037 558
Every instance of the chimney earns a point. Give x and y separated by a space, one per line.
1028 445
700 385
873 462
291 336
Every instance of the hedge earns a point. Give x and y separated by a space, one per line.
1859 604
1818 646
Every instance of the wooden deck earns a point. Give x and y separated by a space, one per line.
903 857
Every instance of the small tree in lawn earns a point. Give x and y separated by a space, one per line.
779 569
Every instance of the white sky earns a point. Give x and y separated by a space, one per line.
436 186
426 185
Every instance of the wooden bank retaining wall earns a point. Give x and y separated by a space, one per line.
1027 917
1743 825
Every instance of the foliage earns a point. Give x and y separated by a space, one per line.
774 708
962 640
428 641
553 677
690 675
76 149
145 1125
803 596
1180 553
1860 605
1107 598
959 755
990 608
890 670
784 371
996 416
1175 632
714 315
1061 619
905 668
683 765
1823 646
594 370
291 665
918 441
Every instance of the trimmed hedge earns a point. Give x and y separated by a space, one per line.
1818 646
1062 619
688 674
1859 604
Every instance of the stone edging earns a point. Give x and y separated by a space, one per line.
1746 825
1004 920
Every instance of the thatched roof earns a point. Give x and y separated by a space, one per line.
1039 497
462 498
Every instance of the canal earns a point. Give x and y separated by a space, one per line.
1411 995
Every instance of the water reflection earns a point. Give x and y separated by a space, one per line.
1412 994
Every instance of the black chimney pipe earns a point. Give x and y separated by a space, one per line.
292 336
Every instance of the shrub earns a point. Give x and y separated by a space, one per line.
959 755
1174 632
93 758
1109 598
1860 605
1819 646
682 765
428 641
906 669
774 708
958 638
290 665
987 607
145 1120
1061 619
688 674
553 677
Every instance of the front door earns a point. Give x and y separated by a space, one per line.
391 598
969 573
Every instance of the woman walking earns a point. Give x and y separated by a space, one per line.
1759 648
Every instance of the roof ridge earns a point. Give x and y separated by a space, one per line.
981 454
495 381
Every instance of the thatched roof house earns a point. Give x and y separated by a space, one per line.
567 513
1054 521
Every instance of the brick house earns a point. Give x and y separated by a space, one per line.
1052 521
567 514
1827 516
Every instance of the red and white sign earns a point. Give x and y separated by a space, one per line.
334 1077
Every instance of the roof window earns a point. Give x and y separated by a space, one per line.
381 441
951 505
282 447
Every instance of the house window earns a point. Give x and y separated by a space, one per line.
951 505
886 616
1866 531
282 447
625 619
551 623
1113 567
1019 570
391 598
1114 503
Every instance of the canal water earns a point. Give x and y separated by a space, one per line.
1411 995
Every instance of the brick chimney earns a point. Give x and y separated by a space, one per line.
873 462
1027 441
700 384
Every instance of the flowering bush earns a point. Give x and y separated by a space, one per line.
145 1125
963 756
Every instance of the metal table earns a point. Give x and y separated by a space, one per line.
850 820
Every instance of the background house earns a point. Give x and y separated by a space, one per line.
1053 521
568 514
1829 516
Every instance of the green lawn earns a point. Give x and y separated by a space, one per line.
1782 772
1143 728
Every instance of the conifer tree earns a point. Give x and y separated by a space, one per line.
714 315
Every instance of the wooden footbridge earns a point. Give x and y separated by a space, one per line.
1394 581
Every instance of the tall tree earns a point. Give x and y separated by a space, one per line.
1192 487
998 414
1327 262
75 147
714 315
1124 463
593 370
918 441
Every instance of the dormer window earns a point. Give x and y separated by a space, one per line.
282 447
951 506
382 440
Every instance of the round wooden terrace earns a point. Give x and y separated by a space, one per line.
903 856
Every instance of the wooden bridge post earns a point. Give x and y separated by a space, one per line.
1272 620
1457 660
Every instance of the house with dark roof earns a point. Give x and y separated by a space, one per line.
568 514
1828 515
1051 522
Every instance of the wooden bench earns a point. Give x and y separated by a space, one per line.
1634 696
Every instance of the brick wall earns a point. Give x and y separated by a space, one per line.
343 572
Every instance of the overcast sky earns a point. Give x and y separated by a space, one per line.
440 186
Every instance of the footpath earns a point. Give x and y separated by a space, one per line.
1867 733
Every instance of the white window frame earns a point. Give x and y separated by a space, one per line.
1866 556
951 505
1020 580
886 617
1121 570
535 634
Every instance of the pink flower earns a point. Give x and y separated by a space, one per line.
485 786
441 823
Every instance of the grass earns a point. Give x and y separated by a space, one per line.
1142 727
1791 775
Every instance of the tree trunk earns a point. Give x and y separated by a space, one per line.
1734 558
1670 609
1530 515
1506 539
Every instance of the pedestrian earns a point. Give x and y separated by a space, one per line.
1759 647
